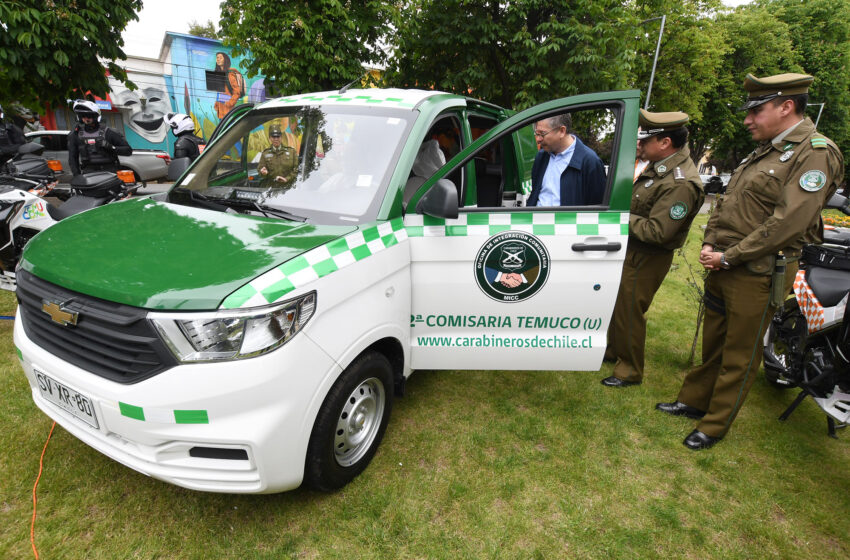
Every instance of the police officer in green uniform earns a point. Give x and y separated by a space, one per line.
772 203
666 197
278 163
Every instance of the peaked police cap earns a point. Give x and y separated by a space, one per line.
762 90
656 123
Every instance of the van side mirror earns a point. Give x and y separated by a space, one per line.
177 167
440 201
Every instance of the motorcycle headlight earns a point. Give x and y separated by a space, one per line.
233 334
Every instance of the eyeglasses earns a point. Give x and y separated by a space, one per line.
539 134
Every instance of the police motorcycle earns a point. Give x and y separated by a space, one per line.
807 344
27 170
24 212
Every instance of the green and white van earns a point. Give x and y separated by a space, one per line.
236 334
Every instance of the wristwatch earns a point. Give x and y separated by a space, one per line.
723 263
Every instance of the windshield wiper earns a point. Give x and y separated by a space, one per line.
222 204
266 210
200 199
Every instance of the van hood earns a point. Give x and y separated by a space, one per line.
163 256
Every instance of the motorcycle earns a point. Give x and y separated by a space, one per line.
29 171
807 344
24 212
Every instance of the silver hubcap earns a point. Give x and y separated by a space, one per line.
359 421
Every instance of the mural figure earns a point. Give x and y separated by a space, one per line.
222 62
148 105
235 88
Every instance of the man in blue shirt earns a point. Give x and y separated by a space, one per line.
565 171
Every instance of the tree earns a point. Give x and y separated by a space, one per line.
203 30
515 53
692 49
50 49
821 37
307 45
756 43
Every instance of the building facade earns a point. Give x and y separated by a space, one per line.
193 75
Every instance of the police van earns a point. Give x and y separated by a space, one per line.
233 335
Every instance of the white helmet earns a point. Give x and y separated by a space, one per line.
180 122
85 108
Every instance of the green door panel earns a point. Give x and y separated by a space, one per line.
192 259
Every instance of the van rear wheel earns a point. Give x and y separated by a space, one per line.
350 423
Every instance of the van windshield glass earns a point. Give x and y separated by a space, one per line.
327 164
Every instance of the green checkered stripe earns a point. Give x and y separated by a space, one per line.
537 223
526 187
359 99
316 263
163 416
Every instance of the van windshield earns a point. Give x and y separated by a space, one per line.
329 164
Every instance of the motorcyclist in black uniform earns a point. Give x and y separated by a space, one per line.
187 144
92 147
11 138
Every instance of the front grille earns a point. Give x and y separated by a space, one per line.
111 340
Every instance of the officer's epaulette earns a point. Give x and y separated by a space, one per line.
678 174
819 141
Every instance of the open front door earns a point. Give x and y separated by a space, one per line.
525 288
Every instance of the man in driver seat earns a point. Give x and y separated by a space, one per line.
278 163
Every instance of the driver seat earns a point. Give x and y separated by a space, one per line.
429 159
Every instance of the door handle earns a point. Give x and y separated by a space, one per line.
613 246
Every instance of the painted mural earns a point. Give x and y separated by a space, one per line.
205 82
149 104
205 97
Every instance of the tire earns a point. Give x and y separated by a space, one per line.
778 351
350 423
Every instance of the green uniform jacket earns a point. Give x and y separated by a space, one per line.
281 162
666 198
774 198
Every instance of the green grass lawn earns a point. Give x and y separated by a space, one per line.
474 465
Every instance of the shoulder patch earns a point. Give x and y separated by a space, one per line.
678 210
819 142
813 181
678 174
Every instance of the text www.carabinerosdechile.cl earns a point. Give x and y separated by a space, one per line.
495 341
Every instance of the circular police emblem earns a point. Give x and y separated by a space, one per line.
511 266
813 181
678 210
661 168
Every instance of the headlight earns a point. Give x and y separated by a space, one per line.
236 334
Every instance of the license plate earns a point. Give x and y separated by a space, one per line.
66 398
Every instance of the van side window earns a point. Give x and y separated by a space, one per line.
512 170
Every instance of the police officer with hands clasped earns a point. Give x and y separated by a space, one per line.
771 208
278 163
666 197
92 147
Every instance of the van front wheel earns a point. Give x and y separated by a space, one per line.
350 424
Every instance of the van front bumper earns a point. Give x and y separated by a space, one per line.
240 426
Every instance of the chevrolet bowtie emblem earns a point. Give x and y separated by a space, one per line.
59 315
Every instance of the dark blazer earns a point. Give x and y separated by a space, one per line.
582 182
